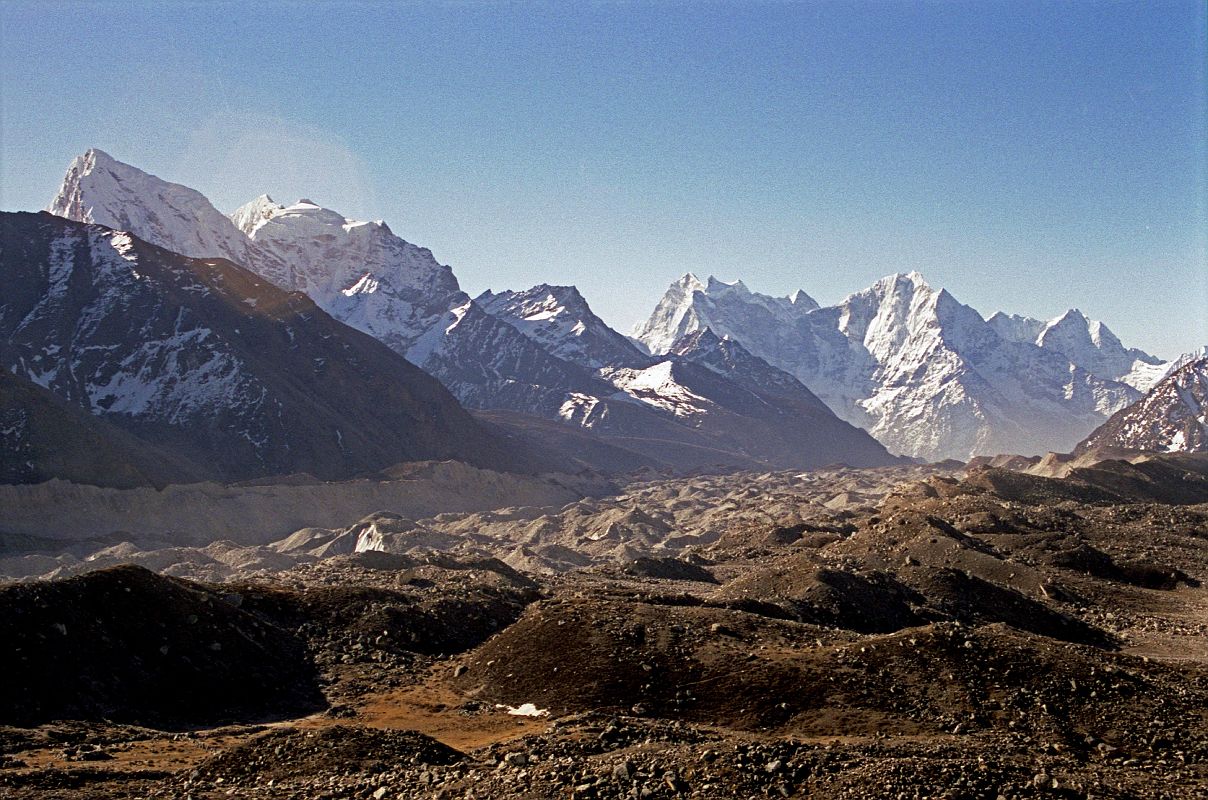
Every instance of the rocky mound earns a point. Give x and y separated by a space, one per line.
1175 479
286 755
720 667
132 646
380 607
958 595
673 569
871 602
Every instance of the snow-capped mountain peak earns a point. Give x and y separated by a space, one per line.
715 285
100 189
251 215
103 190
690 283
560 320
1087 343
923 372
1016 327
358 271
690 304
801 300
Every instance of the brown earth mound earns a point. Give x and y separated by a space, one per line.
673 569
871 602
283 755
961 596
385 605
741 671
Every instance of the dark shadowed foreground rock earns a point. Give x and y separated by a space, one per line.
132 646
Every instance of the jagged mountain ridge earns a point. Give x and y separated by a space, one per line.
690 305
498 352
1172 417
559 318
706 385
921 371
1087 343
212 362
358 272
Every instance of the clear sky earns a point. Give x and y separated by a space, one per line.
1029 156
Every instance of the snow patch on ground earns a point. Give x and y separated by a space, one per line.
525 710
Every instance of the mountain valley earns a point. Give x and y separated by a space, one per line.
286 513
893 632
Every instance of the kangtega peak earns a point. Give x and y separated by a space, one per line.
1172 417
924 373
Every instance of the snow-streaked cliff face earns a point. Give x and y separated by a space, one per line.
1087 343
100 189
1172 417
921 371
560 320
213 362
172 366
691 305
359 272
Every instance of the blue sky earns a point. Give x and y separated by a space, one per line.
1028 156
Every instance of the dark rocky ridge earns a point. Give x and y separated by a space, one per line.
132 646
212 362
43 437
1171 417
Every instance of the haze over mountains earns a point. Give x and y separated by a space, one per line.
227 340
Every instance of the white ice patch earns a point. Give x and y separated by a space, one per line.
525 710
366 285
656 386
370 539
123 243
459 314
577 408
